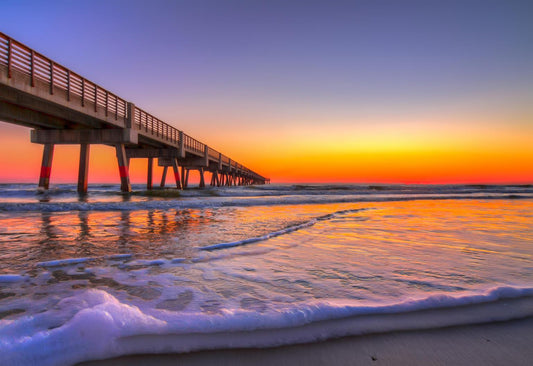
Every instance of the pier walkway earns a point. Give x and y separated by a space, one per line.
63 107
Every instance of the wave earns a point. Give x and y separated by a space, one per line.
62 190
127 260
97 325
233 201
284 231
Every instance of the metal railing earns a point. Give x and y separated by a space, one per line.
145 122
46 74
213 154
193 145
57 80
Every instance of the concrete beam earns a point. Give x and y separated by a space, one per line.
189 163
29 118
96 136
152 153
18 90
194 163
164 161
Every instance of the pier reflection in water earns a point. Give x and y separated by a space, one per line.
29 238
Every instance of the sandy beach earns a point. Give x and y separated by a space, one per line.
495 343
503 343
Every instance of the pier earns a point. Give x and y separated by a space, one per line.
62 107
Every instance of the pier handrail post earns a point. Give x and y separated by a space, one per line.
181 145
9 57
206 155
32 68
130 117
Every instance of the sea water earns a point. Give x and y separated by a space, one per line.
109 274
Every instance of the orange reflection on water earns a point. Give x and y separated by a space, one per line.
432 232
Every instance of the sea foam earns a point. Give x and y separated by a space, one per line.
242 201
97 325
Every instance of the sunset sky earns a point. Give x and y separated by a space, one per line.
301 91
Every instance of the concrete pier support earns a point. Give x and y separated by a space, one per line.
202 180
164 176
83 172
175 167
186 179
46 166
214 179
149 178
123 168
183 186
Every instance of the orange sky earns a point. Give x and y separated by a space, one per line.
336 91
443 151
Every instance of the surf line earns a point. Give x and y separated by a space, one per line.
287 230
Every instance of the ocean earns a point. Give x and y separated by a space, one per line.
110 274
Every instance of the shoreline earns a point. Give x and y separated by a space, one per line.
493 333
496 343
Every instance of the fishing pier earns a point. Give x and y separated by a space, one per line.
62 107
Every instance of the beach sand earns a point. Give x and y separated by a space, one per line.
498 343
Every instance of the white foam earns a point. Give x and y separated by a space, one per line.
144 262
116 257
11 278
97 325
237 201
259 238
65 262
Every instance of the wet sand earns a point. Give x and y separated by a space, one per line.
498 343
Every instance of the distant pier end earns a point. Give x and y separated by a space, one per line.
62 107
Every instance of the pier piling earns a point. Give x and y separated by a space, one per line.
175 167
149 178
83 172
46 166
164 176
123 168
